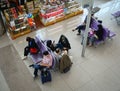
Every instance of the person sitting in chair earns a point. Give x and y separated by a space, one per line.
100 32
83 26
31 44
46 62
65 43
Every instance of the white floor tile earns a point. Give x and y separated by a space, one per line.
90 86
108 81
76 77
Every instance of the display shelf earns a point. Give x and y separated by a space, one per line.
63 18
50 14
17 25
14 36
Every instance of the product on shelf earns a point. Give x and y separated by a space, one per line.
17 22
53 11
31 21
36 3
30 7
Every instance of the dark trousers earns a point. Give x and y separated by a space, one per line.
36 68
80 27
59 45
26 50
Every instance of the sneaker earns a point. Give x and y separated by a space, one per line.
73 30
35 77
31 65
24 58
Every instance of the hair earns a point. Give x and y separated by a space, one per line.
92 14
100 26
49 42
57 50
28 38
45 53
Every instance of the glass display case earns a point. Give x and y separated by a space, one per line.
53 11
17 22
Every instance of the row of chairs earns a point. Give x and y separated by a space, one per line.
36 58
108 34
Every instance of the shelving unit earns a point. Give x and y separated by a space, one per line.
51 14
17 23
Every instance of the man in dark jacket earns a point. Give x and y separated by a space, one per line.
31 44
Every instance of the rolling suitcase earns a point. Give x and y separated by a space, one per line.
45 76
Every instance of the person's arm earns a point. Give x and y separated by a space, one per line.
44 64
95 36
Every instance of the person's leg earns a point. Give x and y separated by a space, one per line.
35 73
36 68
79 32
26 50
90 41
79 28
59 46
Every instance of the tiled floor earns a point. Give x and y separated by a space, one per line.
98 70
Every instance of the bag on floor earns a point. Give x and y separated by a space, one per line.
46 76
65 64
66 69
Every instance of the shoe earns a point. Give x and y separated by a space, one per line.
32 65
90 45
73 30
25 58
35 77
78 33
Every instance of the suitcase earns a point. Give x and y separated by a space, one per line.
46 76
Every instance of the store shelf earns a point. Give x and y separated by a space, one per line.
18 25
63 18
14 36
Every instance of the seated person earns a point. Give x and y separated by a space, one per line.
100 32
58 53
64 41
31 44
51 45
92 37
46 62
83 26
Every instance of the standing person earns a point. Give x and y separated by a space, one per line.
46 62
31 44
65 43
